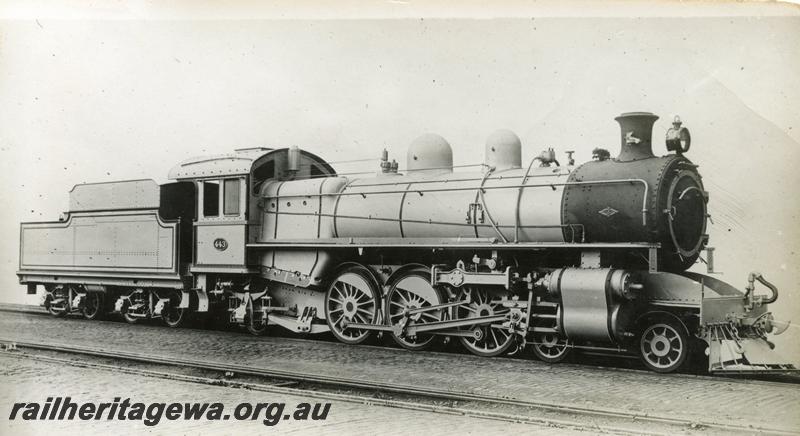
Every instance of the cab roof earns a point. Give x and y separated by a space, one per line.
231 164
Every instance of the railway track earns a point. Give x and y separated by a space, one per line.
760 379
22 308
597 419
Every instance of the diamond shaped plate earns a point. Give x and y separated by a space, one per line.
608 211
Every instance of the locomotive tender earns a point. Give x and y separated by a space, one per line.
591 257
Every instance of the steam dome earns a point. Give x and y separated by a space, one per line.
503 150
429 154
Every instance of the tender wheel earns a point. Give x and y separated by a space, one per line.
93 305
663 346
132 297
351 298
56 312
413 291
174 316
56 293
487 340
551 348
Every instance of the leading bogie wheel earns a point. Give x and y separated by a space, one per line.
411 291
487 339
664 345
551 348
352 297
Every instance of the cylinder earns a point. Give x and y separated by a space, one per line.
592 300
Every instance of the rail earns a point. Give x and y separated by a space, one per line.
748 378
615 421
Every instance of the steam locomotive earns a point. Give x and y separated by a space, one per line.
544 256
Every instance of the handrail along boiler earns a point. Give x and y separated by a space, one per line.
545 256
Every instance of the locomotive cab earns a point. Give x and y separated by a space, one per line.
228 217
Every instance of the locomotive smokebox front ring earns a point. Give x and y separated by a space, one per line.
686 213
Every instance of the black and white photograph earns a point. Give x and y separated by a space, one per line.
399 217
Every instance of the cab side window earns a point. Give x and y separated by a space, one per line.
211 198
231 199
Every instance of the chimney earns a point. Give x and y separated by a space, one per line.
636 130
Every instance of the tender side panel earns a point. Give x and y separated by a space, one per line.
133 241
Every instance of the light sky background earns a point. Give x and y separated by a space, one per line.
96 98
